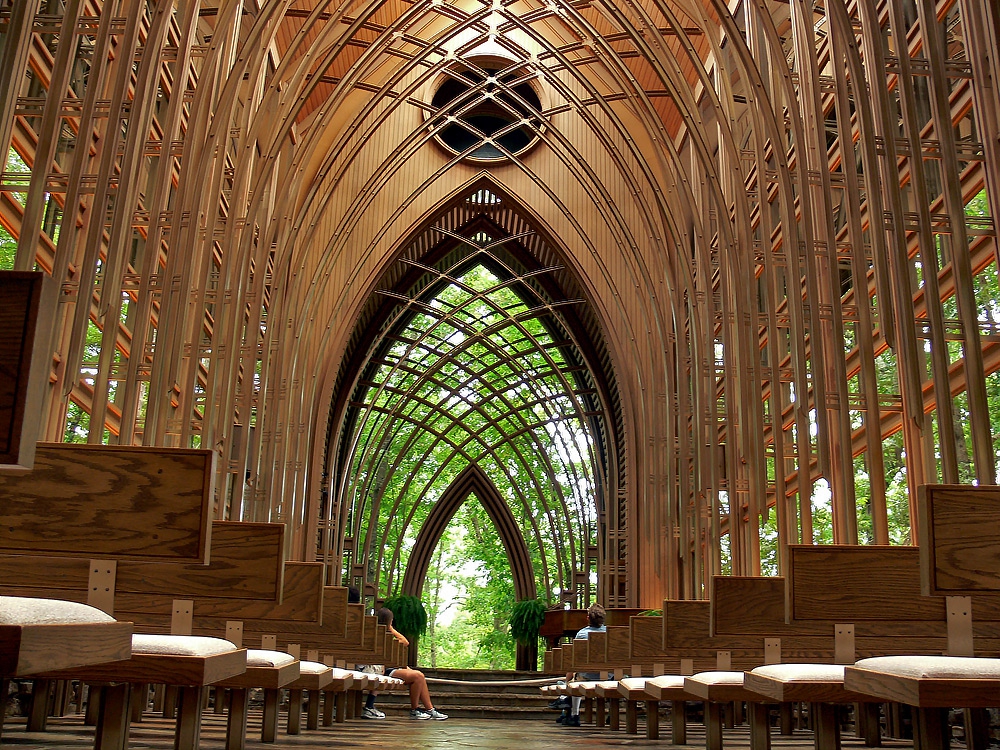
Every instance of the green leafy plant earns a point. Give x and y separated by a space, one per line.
525 620
408 615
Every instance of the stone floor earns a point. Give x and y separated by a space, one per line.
400 734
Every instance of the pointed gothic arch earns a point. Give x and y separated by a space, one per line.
472 481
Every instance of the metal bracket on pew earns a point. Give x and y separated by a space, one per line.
234 632
101 585
843 644
959 609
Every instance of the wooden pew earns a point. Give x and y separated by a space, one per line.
269 671
959 567
187 662
44 635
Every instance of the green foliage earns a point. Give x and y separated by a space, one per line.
526 618
651 613
8 250
408 615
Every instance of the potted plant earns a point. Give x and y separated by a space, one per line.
410 618
526 618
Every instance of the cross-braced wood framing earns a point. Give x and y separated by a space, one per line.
779 214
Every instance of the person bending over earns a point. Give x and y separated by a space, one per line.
414 678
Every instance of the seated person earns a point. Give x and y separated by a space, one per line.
595 624
369 711
414 678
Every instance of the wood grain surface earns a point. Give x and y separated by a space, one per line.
839 583
959 539
111 501
32 649
743 605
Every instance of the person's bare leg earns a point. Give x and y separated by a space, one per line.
418 687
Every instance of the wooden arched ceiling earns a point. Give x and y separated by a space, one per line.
776 210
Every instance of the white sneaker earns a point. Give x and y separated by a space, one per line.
436 715
416 713
372 713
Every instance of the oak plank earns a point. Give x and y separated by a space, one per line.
959 528
110 501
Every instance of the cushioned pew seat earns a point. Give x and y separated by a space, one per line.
45 635
269 671
341 682
189 662
654 690
716 688
821 685
313 677
928 681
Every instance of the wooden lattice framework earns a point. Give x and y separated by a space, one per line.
766 201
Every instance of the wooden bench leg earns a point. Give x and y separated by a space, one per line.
4 688
219 700
113 717
312 714
189 717
652 720
328 701
139 693
170 701
760 726
269 725
159 693
341 707
678 723
872 725
826 726
588 711
236 722
713 726
631 717
930 729
977 728
615 714
729 715
786 719
294 711
359 704
38 716
599 711
894 722
93 706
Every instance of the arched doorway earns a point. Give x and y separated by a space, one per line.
478 367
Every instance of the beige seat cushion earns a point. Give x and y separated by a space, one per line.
934 667
180 645
802 672
23 610
264 658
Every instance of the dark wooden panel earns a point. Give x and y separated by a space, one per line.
685 622
959 539
20 304
743 605
303 601
110 501
646 635
246 563
849 584
335 610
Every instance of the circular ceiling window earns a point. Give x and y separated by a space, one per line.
486 111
